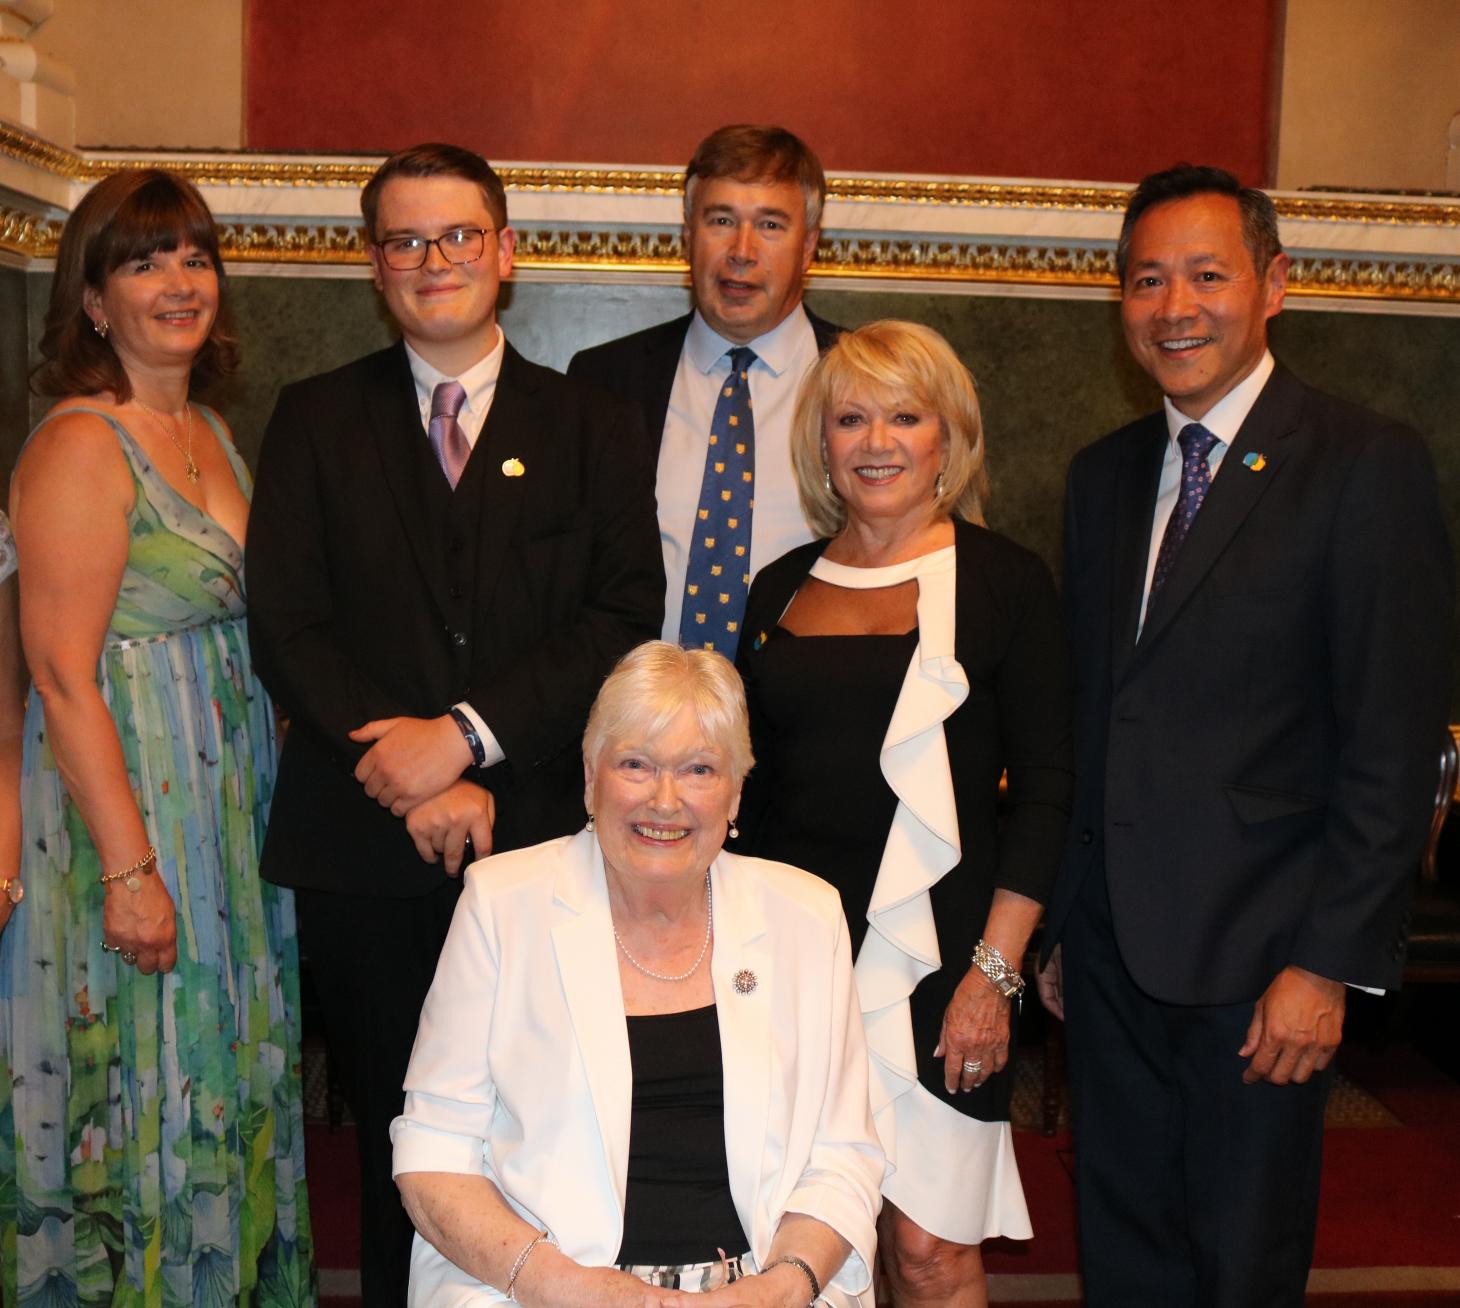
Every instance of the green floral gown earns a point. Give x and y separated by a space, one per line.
151 1127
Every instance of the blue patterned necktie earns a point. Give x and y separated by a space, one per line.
718 576
447 438
1196 478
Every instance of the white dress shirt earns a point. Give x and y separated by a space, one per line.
784 355
1224 420
480 383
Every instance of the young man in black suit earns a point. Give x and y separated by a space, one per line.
752 217
449 548
1260 591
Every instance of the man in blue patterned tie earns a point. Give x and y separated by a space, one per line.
449 548
717 387
1260 589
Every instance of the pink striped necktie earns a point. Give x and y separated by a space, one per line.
447 437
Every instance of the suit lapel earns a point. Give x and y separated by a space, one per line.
513 430
661 363
1234 492
1136 482
583 945
742 946
412 475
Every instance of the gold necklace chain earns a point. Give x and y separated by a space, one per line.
193 471
704 948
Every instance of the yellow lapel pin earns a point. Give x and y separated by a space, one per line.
1254 461
512 467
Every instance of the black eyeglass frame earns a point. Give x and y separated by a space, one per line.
427 242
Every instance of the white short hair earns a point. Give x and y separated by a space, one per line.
652 683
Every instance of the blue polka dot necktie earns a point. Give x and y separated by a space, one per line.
1196 478
718 577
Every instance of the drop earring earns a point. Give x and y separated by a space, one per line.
734 830
589 826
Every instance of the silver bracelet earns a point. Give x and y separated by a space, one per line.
996 968
803 1266
521 1262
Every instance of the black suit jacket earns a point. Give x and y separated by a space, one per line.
374 590
641 367
1256 773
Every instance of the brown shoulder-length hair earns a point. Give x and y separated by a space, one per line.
125 216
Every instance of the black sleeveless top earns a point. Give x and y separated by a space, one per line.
677 1208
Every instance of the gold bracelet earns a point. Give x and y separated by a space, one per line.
133 875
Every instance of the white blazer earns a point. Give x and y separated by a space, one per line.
521 1069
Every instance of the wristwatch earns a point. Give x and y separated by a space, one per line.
996 967
12 889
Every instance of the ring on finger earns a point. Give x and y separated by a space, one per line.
129 957
972 1067
111 949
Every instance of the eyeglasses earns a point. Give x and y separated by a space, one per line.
459 245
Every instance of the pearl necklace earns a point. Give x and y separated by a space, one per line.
171 429
704 949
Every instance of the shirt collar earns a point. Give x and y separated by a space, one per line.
478 381
777 349
1225 418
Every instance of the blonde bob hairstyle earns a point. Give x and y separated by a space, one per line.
652 683
894 361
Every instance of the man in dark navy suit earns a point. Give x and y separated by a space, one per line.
449 548
752 217
1260 592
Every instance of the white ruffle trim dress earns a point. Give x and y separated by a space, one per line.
954 1175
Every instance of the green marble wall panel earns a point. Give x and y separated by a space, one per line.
1053 374
14 351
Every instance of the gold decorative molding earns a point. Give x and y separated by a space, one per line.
27 234
26 148
210 170
841 258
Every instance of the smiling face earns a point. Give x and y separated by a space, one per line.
748 250
884 454
160 307
447 312
661 806
1195 310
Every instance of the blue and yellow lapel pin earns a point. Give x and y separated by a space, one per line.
1254 462
759 641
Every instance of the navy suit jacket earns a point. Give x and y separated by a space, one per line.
641 367
1256 772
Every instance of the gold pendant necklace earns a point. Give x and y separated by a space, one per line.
192 469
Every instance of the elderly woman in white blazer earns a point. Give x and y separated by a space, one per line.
640 1072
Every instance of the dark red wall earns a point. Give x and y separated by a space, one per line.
1067 89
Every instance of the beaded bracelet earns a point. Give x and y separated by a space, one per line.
802 1265
521 1262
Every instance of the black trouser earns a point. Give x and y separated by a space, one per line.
1193 1188
372 961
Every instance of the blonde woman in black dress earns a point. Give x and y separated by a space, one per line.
896 669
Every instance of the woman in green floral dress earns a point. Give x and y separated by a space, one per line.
151 1139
